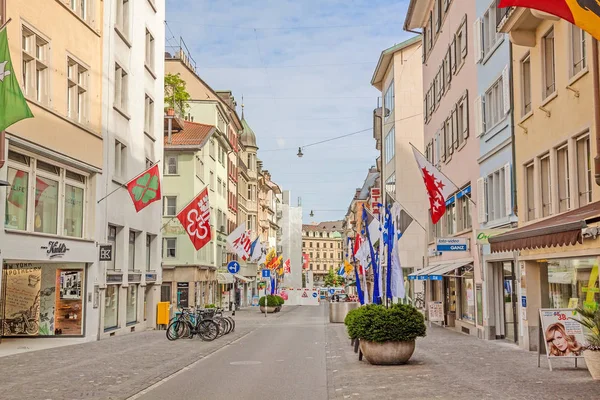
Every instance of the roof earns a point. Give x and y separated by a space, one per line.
370 180
386 57
417 13
560 230
329 226
193 134
248 138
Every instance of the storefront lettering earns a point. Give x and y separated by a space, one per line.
21 266
55 249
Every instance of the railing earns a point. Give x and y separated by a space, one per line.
502 15
180 52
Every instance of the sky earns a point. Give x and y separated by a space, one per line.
304 69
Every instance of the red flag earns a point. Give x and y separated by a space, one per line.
583 13
438 186
195 218
287 268
145 188
305 261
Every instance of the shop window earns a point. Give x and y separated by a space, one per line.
562 156
584 170
73 220
111 307
132 293
467 295
569 280
131 253
546 186
16 199
165 292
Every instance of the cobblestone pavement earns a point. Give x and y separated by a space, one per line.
451 365
114 368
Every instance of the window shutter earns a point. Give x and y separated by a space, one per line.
454 53
443 144
424 45
481 204
465 115
432 146
507 189
442 80
478 54
451 139
506 89
425 114
479 116
465 40
436 13
446 4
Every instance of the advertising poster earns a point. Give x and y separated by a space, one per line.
436 311
563 336
22 301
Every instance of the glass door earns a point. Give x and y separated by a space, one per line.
510 302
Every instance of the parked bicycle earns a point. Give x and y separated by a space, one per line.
189 323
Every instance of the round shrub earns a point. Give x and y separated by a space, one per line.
271 301
280 300
375 323
210 306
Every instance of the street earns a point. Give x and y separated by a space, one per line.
295 354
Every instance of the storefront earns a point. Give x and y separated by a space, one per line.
557 266
45 287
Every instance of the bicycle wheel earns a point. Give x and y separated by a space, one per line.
223 326
232 322
208 330
173 330
227 325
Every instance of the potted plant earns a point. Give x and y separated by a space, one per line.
268 304
387 335
591 351
280 302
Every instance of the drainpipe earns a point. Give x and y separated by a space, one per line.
169 128
3 133
596 81
512 130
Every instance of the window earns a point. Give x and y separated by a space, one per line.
490 34
212 149
220 186
77 77
311 266
390 147
212 181
148 252
546 185
122 17
46 195
310 244
318 244
578 56
131 260
149 163
493 105
529 184
496 188
165 292
120 159
450 216
74 202
311 255
548 63
83 9
149 50
131 304
388 100
331 247
584 170
112 239
331 256
526 85
170 247
172 164
35 66
464 210
149 115
111 307
121 88
562 158
170 203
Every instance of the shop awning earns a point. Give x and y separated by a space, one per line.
560 230
224 278
243 278
435 272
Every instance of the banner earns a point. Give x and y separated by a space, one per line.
195 218
563 336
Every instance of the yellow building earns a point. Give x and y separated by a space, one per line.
558 208
51 163
323 244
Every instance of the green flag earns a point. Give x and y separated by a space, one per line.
13 106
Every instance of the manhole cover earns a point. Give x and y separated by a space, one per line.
245 363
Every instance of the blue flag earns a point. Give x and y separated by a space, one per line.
390 246
361 295
376 289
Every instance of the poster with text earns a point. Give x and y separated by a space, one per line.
22 301
563 336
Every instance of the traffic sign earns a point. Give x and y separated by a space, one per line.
266 273
331 291
233 267
304 294
314 294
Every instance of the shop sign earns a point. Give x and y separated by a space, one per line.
105 252
436 311
150 277
55 249
451 244
183 284
484 234
134 277
114 278
19 266
375 200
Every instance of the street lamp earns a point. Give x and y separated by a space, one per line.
300 154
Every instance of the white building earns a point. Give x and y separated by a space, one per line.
132 125
291 240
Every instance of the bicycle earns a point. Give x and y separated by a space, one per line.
220 312
188 324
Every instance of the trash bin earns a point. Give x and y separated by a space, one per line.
338 311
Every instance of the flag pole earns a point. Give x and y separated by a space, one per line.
4 24
124 185
409 214
183 208
446 176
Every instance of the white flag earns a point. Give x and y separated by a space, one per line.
397 278
256 251
238 242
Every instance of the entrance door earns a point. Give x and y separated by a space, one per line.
510 301
450 300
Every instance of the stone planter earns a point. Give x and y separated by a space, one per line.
592 360
269 310
278 308
387 353
338 311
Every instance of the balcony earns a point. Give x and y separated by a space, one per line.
521 24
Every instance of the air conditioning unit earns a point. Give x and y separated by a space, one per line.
432 252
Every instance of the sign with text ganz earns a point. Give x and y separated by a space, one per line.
451 244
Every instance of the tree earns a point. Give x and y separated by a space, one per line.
304 279
176 95
332 279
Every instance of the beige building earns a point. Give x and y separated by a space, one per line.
558 202
48 251
323 244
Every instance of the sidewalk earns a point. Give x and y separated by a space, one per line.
451 365
114 368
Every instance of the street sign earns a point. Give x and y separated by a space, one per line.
233 267
451 244
105 252
304 294
331 291
266 273
314 294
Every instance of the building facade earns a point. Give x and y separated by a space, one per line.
557 202
323 242
289 242
132 108
450 87
399 77
52 164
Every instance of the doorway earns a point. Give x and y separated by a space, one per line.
510 301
